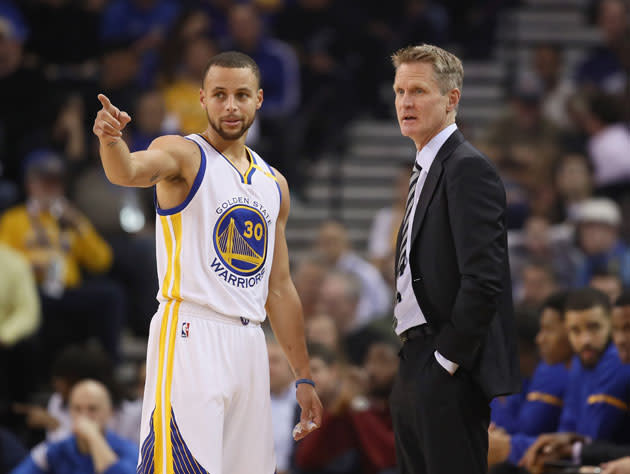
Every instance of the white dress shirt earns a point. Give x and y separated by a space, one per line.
407 311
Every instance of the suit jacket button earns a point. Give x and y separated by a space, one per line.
418 279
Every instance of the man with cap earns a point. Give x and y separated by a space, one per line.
597 227
61 244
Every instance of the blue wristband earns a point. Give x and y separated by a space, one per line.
308 381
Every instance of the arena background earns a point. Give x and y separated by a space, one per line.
546 96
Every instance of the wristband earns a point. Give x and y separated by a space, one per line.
308 381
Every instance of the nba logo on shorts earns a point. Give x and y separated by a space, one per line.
185 328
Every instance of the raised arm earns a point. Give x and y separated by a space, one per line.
142 168
285 314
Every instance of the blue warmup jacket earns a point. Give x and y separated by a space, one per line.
63 457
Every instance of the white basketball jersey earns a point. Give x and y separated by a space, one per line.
216 248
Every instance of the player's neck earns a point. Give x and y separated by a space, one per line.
234 150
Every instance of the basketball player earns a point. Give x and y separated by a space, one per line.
223 264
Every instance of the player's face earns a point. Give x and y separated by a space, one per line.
589 333
421 108
621 332
552 338
231 97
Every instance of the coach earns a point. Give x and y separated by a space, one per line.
454 307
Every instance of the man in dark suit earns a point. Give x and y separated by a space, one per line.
454 307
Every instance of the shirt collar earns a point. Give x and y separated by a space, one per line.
428 153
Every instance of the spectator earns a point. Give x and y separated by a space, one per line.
192 23
537 243
540 405
280 82
385 226
539 282
308 277
333 247
74 364
597 227
91 448
604 66
608 283
12 452
181 95
64 42
24 95
504 411
59 243
548 68
524 144
150 120
142 23
608 140
573 179
598 380
339 298
283 404
19 319
576 447
356 434
321 329
326 36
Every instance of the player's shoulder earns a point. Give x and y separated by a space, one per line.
171 142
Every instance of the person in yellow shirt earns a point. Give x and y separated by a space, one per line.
60 244
19 320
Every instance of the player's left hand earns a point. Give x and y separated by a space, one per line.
311 416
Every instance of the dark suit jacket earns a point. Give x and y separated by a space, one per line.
459 266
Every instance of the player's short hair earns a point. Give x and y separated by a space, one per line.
587 298
556 301
448 68
233 60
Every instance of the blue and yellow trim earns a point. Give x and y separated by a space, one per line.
608 399
246 178
545 398
183 460
163 449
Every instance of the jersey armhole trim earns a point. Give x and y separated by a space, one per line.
193 190
275 178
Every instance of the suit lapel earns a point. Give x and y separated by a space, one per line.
433 178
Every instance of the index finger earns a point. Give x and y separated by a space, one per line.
104 100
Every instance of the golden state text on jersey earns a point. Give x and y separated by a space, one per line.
216 248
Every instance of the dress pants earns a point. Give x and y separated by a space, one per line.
440 420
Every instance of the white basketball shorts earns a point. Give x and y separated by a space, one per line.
206 405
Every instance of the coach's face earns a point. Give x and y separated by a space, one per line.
422 110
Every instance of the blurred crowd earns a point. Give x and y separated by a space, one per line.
77 253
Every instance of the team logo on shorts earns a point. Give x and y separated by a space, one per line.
240 241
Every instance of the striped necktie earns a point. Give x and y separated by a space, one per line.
402 260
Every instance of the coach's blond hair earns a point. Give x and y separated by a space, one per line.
449 72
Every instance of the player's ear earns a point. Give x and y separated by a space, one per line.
259 99
202 98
